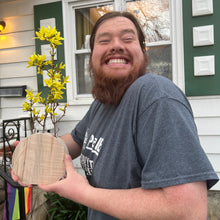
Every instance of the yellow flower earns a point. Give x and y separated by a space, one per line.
37 60
26 106
62 66
35 112
56 81
48 109
42 117
41 34
65 79
29 95
32 60
50 35
42 100
48 82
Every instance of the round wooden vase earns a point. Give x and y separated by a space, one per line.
39 159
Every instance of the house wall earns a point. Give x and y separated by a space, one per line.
207 118
16 45
203 90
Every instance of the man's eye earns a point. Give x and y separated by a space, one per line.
104 41
128 39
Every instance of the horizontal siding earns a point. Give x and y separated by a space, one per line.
19 23
75 113
214 158
66 127
216 186
12 103
31 82
11 113
16 70
19 7
16 8
208 125
210 143
206 111
205 106
19 39
16 45
16 54
13 108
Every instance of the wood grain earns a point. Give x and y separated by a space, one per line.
39 159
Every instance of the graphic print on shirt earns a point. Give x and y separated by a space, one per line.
90 151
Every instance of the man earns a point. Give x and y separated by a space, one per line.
138 142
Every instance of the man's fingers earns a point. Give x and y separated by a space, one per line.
16 143
16 179
46 188
13 176
54 186
68 164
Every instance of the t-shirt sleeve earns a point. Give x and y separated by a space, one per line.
169 148
78 133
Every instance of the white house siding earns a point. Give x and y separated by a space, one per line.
16 45
207 117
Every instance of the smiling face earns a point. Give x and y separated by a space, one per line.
117 52
117 56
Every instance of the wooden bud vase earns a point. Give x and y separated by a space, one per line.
39 159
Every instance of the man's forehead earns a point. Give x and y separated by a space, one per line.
121 32
122 24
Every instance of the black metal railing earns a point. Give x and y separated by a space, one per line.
12 131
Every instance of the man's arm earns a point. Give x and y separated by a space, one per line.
181 202
73 147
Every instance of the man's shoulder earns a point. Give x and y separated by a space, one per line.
153 84
150 79
151 88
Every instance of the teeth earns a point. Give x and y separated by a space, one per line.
123 61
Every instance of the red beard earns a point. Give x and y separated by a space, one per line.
111 90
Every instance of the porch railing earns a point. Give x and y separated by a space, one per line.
11 132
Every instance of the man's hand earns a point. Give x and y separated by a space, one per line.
71 187
13 176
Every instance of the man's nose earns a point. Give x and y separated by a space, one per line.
117 45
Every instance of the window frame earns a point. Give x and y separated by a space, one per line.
176 42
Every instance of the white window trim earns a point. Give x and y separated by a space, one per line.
69 21
177 46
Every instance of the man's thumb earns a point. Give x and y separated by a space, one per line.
69 163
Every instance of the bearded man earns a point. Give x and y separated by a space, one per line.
138 142
115 68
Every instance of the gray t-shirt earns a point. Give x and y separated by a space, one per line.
149 140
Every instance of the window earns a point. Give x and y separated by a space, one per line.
85 19
155 17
